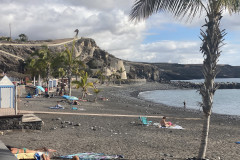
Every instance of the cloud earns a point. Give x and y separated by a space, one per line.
107 22
102 5
172 52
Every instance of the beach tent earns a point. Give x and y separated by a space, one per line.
7 96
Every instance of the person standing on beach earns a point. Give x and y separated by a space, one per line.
184 105
57 90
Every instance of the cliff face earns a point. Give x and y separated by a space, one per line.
13 55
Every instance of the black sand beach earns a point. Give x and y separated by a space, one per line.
112 127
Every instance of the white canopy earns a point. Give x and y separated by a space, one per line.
6 81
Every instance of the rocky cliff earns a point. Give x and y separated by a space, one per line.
13 55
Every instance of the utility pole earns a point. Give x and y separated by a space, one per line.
10 31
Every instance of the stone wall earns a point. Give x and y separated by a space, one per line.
11 122
132 81
32 125
16 122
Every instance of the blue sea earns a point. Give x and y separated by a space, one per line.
226 101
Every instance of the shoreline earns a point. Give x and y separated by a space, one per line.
136 93
125 135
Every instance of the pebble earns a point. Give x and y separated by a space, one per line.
93 128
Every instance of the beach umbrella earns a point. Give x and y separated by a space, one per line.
72 98
65 96
41 88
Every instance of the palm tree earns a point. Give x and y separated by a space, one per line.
212 40
62 74
96 91
23 37
69 60
78 67
83 83
120 71
76 30
100 76
32 68
44 61
113 76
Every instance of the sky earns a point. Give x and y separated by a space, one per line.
161 38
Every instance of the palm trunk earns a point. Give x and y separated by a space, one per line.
61 87
204 140
39 80
96 98
48 75
83 93
69 82
34 81
212 38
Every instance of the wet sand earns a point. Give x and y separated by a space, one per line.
112 127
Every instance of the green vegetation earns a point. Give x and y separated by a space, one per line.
5 38
96 91
120 71
44 63
23 37
100 76
83 84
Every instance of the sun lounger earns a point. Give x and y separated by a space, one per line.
145 121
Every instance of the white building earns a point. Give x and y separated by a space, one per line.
7 97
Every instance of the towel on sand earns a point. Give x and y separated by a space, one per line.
170 127
92 156
57 107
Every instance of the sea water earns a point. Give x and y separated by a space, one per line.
226 101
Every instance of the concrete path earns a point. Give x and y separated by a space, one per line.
95 114
5 154
10 54
33 45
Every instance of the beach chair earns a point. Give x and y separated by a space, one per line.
145 121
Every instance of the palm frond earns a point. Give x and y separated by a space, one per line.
143 9
233 6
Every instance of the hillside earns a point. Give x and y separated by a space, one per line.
13 55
